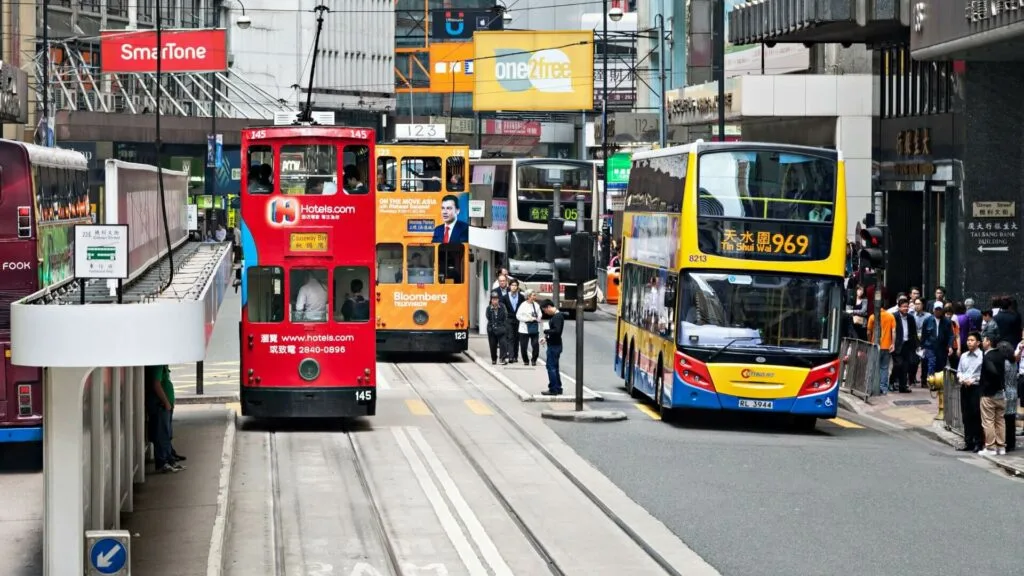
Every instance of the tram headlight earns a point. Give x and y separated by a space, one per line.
309 369
420 317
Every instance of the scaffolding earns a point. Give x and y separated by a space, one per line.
77 84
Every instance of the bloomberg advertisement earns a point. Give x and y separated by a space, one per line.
134 190
534 71
136 51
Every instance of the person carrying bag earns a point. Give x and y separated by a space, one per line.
529 316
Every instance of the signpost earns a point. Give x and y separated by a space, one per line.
109 552
101 251
993 226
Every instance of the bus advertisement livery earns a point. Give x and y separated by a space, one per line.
734 257
422 293
307 226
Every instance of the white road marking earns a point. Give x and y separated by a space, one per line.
382 379
215 557
444 515
476 530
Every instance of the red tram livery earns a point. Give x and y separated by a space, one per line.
308 348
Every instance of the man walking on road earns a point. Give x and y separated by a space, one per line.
553 339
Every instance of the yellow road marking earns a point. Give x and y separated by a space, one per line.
844 423
236 406
478 407
649 411
417 407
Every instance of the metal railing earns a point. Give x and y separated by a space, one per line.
951 405
859 368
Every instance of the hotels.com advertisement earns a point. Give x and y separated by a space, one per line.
181 51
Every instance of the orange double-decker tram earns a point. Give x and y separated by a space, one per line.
422 252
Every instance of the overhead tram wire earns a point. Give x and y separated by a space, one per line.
159 147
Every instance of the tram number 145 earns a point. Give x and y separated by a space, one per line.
364 395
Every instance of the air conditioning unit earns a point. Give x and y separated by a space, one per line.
107 101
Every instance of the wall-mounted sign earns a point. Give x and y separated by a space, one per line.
101 251
452 24
13 94
912 146
994 209
981 10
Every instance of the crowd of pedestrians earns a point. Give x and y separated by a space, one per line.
919 338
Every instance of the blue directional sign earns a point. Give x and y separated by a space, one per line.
108 556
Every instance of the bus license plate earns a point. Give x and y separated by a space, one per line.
757 404
307 242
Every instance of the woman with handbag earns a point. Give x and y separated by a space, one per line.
529 316
858 313
497 320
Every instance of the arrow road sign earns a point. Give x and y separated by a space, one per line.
108 556
993 248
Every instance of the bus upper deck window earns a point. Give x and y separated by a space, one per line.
265 293
351 285
420 264
309 294
456 169
309 169
387 174
389 263
260 166
357 169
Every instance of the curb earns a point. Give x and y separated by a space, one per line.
584 416
850 403
939 433
204 399
524 396
218 538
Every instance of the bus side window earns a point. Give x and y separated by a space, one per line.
265 293
449 270
387 174
455 167
420 264
260 170
350 288
389 263
357 169
309 294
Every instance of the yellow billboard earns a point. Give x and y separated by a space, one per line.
533 71
451 67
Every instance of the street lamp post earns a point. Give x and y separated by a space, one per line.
604 87
718 60
660 19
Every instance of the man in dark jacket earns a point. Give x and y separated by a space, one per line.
905 347
553 339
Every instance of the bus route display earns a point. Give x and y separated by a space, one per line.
760 240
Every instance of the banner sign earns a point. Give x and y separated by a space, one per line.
182 51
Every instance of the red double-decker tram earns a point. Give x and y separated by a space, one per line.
308 348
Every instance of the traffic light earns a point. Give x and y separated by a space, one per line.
873 254
571 252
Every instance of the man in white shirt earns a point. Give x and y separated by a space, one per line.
968 373
311 303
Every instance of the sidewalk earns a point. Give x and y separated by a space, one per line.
176 515
916 412
527 382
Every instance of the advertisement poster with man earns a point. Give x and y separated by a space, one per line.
454 226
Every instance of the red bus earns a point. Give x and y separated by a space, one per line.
308 348
43 195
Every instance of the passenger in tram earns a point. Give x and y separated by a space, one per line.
311 302
353 181
260 178
356 307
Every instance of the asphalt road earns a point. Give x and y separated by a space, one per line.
755 497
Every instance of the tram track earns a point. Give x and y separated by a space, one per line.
369 494
474 390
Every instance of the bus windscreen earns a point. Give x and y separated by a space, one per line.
536 189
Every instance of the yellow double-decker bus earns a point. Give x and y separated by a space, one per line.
422 291
733 263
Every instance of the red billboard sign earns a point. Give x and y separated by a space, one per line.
181 51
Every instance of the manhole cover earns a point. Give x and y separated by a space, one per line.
911 402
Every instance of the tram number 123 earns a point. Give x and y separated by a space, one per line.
461 335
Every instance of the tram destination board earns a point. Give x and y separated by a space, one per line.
307 242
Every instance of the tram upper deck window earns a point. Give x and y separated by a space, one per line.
357 169
309 169
421 174
456 169
260 167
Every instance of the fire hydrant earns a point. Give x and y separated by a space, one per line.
936 383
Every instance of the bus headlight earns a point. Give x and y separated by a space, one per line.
309 369
420 317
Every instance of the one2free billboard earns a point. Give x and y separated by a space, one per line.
181 51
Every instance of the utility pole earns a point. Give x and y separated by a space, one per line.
579 311
661 79
46 70
604 89
718 60
556 212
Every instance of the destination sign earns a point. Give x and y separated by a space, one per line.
540 212
765 240
307 242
